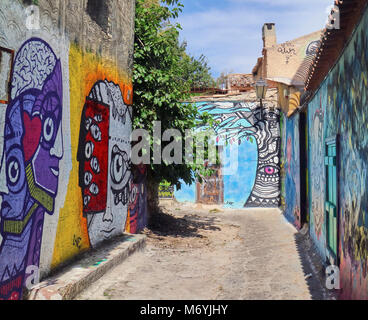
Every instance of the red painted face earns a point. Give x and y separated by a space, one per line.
94 151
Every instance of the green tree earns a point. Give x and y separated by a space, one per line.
162 81
196 72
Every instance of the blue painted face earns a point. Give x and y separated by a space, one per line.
13 161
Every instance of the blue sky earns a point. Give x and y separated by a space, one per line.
229 32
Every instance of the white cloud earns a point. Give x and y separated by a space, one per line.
231 35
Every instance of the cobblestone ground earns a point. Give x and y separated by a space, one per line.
198 253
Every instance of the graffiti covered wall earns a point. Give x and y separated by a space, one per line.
291 167
339 107
67 182
165 191
250 140
137 209
32 149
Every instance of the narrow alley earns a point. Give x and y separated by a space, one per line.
183 150
206 254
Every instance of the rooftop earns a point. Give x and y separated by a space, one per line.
333 39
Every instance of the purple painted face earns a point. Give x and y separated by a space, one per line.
50 150
29 168
32 137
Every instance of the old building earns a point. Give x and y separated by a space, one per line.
285 66
239 82
65 123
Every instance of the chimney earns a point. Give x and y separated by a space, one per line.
269 35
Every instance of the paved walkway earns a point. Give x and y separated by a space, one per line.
206 254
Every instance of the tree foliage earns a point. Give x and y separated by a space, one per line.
196 72
163 74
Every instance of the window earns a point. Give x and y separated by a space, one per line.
6 62
99 12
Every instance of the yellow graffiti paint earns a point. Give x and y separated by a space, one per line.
85 69
127 225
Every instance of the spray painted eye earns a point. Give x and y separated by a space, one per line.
48 129
86 200
96 132
88 150
119 165
98 118
270 170
13 171
133 194
94 189
87 178
95 165
117 168
88 123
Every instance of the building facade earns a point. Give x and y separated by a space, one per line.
337 149
285 66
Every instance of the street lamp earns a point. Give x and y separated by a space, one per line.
261 89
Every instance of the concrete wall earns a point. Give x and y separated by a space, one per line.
252 143
66 179
339 107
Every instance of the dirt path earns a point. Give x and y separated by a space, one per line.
203 254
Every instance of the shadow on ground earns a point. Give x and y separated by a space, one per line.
188 226
313 267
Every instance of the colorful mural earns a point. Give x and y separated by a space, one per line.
165 191
33 147
97 199
292 170
137 212
66 181
317 168
255 131
244 121
104 157
340 107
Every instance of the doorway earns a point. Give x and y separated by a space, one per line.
303 149
331 196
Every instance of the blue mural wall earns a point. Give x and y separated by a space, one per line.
186 193
340 107
239 186
291 157
254 181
